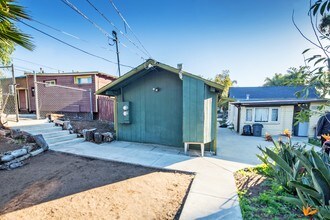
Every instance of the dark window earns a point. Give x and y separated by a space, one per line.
32 91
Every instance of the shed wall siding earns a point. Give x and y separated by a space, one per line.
273 128
193 110
155 117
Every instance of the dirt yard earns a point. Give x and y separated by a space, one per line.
61 186
8 144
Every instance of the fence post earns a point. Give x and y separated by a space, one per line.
91 103
15 92
36 95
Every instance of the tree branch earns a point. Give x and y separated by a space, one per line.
317 37
302 34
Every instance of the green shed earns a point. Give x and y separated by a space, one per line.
160 104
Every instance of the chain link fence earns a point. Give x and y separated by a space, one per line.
74 103
8 95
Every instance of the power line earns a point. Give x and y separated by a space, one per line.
70 35
70 45
37 64
129 27
122 33
73 7
21 67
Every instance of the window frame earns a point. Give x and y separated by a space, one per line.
76 78
271 115
246 110
269 119
50 83
255 112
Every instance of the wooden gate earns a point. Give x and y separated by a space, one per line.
106 108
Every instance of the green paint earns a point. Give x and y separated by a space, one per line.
193 110
171 116
155 117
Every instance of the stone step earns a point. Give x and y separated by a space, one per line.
68 142
60 138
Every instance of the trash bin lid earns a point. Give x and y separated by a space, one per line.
257 125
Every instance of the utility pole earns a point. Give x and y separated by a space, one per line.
115 39
36 95
15 92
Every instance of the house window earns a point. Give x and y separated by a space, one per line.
248 116
50 83
274 114
261 114
32 91
83 79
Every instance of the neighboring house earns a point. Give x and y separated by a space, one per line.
160 104
54 95
274 107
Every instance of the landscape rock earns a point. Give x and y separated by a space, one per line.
4 132
15 133
97 137
67 125
39 139
19 152
7 157
89 134
108 136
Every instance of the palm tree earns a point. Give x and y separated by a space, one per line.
224 80
276 80
10 35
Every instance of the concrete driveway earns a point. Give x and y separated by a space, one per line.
243 149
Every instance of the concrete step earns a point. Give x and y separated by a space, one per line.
33 127
43 130
55 133
60 138
68 142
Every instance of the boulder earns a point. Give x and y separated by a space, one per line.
39 139
98 137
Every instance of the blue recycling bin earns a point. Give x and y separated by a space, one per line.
257 129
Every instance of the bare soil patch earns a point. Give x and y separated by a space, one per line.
55 185
9 144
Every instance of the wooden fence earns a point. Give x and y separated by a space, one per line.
106 108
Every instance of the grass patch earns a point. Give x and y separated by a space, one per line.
259 195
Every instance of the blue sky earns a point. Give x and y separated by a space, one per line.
252 38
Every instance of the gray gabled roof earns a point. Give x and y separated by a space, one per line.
272 93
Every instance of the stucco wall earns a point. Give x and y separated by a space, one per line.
285 121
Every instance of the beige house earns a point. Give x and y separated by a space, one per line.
273 107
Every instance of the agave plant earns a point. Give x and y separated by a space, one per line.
282 160
305 174
317 191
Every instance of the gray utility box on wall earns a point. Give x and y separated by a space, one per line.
123 110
